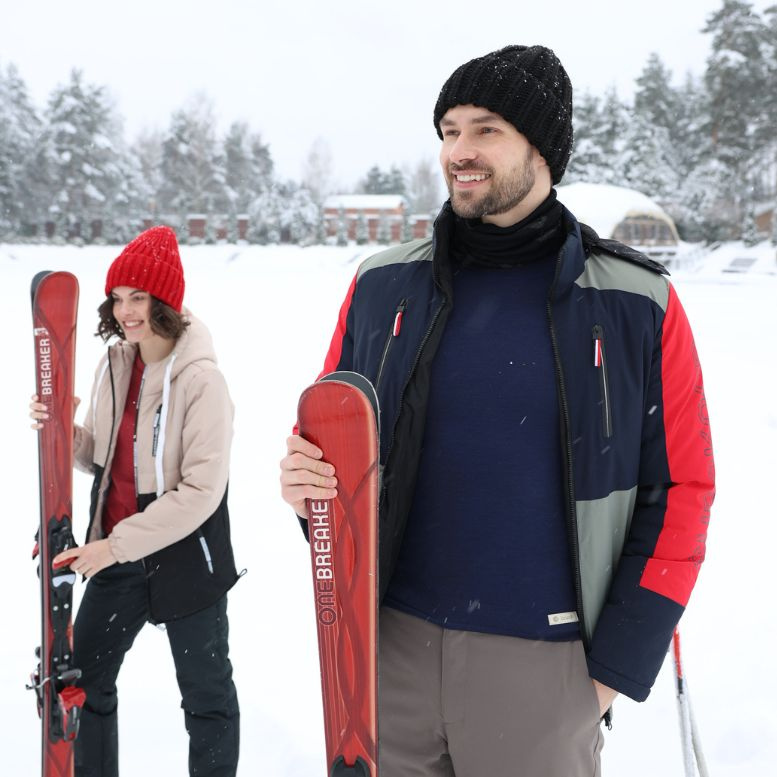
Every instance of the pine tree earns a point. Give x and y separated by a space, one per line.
423 190
342 227
395 182
299 214
362 233
248 167
774 221
192 170
83 148
374 182
651 161
317 171
736 79
749 229
406 234
20 127
147 150
384 230
587 161
655 99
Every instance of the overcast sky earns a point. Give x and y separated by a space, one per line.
361 74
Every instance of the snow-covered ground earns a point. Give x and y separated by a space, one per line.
271 311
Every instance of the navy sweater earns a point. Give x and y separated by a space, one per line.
485 547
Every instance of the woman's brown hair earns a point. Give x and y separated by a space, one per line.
165 321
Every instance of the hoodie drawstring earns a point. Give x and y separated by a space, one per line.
160 474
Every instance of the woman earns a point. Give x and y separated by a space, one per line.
156 438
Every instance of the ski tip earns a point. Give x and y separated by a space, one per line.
36 282
357 380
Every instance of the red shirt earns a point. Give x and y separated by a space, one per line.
122 499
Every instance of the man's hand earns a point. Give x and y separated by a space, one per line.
87 560
304 475
605 695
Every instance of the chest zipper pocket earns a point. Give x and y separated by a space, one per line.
600 362
396 326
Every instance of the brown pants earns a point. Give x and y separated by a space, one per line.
463 704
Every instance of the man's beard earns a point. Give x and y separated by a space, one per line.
505 192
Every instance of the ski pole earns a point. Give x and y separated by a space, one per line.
693 757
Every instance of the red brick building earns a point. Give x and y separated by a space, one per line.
373 212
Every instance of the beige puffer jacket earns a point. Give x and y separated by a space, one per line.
184 433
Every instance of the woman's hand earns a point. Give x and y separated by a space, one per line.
87 560
39 411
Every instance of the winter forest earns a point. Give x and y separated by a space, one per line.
704 147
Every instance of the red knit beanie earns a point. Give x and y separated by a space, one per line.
151 263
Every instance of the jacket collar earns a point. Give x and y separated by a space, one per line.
570 262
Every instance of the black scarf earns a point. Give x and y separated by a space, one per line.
539 236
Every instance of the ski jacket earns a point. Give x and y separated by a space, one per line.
638 468
183 435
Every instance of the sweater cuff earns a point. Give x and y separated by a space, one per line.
119 555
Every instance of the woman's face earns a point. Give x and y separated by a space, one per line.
132 309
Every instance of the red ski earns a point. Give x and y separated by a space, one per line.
339 415
54 308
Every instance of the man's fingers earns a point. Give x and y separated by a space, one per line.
297 444
295 495
299 462
301 477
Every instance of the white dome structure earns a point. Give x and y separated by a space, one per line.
622 214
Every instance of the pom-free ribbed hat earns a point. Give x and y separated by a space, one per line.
151 262
526 85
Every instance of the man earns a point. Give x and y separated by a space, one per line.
547 460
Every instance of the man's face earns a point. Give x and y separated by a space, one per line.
488 165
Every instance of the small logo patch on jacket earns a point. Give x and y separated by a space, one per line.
557 618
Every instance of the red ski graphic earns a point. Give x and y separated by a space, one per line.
338 414
54 308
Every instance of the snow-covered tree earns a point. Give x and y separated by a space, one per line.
317 171
749 229
147 149
423 188
379 182
20 128
651 162
736 80
83 149
406 234
362 233
248 166
300 214
192 169
704 213
342 227
383 234
774 222
587 160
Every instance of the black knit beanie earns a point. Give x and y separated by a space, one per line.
526 85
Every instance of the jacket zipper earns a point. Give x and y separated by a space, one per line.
574 545
392 335
205 550
410 376
99 504
135 436
600 362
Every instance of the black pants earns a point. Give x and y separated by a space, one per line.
112 612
